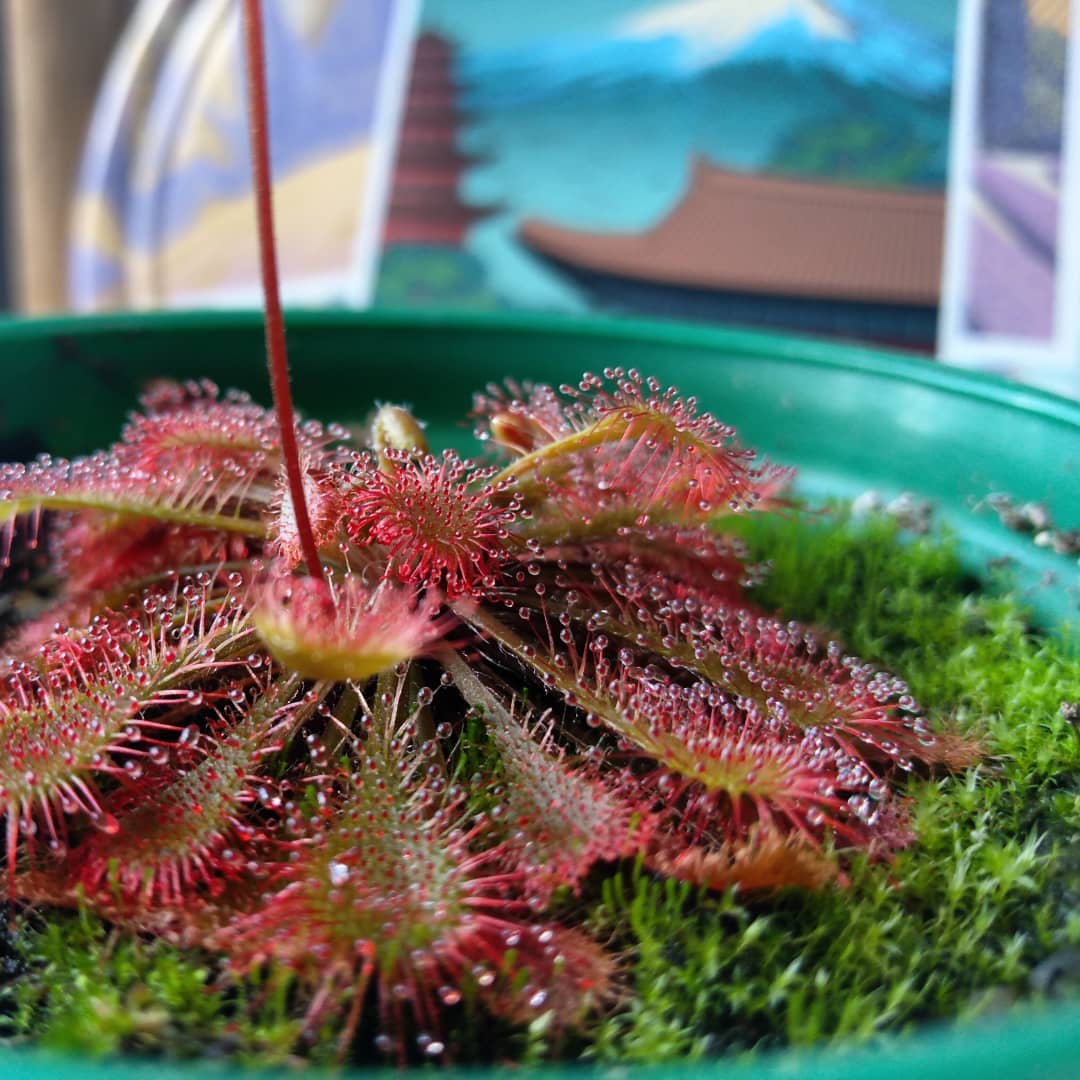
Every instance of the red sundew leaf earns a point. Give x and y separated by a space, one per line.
776 671
717 770
184 831
192 427
437 520
560 818
779 669
563 819
95 701
199 498
621 450
764 861
720 773
693 569
346 630
100 554
191 460
402 892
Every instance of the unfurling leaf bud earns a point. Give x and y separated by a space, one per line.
395 428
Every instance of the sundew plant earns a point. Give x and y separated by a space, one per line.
204 740
371 715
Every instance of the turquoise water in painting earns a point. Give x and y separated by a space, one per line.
599 160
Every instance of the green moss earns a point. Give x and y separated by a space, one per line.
954 927
958 923
88 991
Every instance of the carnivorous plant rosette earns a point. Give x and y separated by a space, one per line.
201 739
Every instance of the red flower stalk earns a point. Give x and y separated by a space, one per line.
436 518
277 358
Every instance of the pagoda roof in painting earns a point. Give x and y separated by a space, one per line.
776 235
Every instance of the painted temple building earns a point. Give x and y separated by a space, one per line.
425 207
774 251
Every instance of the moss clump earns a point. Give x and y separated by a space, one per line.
956 926
86 990
959 922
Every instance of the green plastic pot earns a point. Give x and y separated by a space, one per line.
851 419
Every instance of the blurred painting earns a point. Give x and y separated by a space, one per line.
1009 302
704 159
778 163
164 212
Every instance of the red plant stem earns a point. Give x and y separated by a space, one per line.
277 358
